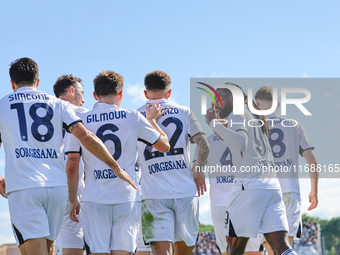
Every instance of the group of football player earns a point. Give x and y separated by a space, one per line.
130 185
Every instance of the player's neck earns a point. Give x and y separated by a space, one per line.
111 99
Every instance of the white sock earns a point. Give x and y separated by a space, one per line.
289 252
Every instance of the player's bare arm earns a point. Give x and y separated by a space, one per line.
152 115
203 150
2 187
72 171
94 145
314 178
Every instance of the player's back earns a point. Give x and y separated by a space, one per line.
120 130
168 175
221 179
288 139
31 124
252 163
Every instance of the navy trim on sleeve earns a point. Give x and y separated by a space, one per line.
303 150
147 143
67 127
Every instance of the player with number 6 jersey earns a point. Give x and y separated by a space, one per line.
111 209
170 204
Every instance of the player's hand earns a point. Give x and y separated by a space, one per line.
313 199
199 179
154 111
74 211
211 114
125 177
3 187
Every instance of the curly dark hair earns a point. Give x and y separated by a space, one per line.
226 93
157 80
24 71
108 83
62 84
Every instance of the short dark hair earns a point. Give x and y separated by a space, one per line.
264 93
63 83
157 80
24 71
108 83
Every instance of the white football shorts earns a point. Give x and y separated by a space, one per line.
71 232
141 246
37 212
292 201
250 212
218 216
110 227
170 220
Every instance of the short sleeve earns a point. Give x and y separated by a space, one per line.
304 141
72 144
69 117
146 133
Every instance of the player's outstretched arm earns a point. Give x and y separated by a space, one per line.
72 171
203 149
94 145
314 178
153 112
237 140
2 187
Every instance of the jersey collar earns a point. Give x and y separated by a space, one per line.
25 89
104 106
161 101
272 115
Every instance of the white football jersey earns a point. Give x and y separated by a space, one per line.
221 180
31 127
287 142
250 164
119 129
78 110
168 175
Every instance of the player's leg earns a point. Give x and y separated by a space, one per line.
162 248
142 248
71 238
186 225
35 216
97 227
274 224
236 245
124 234
278 241
254 246
158 224
181 248
52 249
292 201
218 217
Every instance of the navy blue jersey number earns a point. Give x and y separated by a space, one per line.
226 154
277 142
148 154
110 137
37 121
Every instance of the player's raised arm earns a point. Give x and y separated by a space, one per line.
314 178
94 145
153 112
